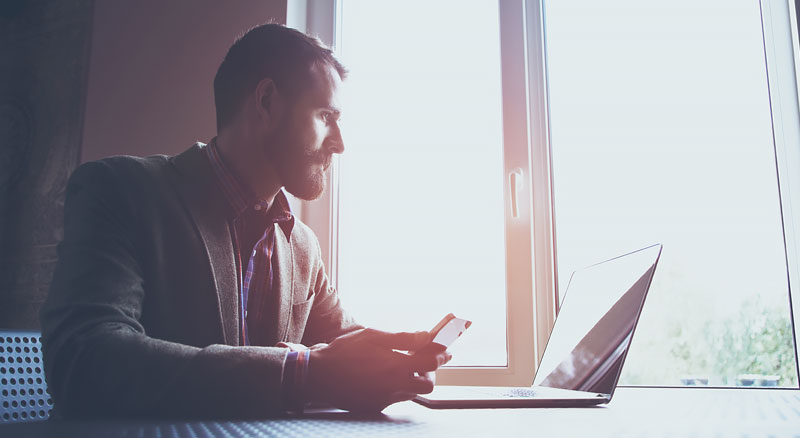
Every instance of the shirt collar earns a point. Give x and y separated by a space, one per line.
240 199
281 213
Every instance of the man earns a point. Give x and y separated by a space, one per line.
185 286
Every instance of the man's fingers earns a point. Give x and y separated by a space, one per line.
448 357
406 341
424 362
419 384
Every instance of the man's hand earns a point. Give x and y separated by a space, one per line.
362 371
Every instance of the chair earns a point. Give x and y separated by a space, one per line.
24 390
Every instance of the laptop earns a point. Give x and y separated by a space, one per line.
584 355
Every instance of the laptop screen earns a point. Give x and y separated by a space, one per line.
594 328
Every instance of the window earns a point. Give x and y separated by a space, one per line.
426 171
661 132
429 212
478 176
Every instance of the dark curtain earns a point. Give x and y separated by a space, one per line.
44 60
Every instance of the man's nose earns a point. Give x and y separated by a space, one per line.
335 144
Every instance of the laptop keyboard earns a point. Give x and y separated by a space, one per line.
520 393
505 392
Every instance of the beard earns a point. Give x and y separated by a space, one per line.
302 171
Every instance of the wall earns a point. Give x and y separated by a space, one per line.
152 69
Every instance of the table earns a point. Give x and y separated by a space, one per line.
634 412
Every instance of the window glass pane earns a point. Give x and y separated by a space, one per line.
421 225
661 132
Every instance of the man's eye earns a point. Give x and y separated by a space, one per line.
329 118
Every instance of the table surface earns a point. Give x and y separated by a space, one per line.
634 412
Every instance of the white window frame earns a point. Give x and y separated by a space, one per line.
779 26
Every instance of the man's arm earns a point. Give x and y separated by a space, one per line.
99 360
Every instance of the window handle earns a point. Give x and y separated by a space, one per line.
515 187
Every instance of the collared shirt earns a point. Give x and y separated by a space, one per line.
253 221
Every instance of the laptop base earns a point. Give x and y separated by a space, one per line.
471 397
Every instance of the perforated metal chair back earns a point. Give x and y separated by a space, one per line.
22 384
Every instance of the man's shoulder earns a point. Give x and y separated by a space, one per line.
138 180
304 234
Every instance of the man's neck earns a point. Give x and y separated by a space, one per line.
248 163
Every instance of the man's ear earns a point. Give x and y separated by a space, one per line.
269 103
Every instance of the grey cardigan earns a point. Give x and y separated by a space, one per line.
142 314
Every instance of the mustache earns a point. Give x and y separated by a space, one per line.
322 158
325 160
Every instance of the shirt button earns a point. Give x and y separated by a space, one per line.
257 207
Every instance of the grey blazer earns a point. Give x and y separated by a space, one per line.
142 314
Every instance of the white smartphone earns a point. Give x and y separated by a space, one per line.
449 329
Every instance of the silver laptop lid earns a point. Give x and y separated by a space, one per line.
594 328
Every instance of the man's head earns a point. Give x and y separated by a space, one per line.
282 87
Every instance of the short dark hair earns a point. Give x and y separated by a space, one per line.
285 55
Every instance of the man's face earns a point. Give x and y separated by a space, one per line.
309 135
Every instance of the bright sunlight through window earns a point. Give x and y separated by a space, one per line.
661 132
421 221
